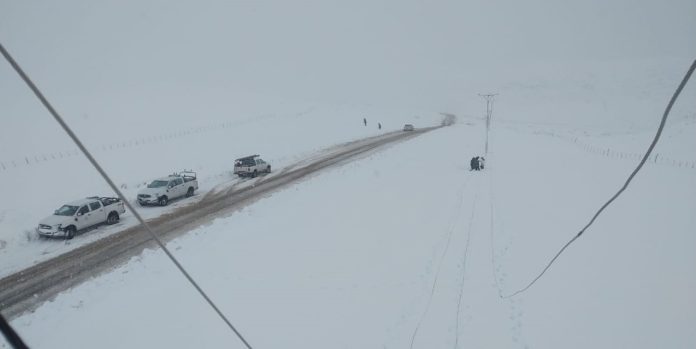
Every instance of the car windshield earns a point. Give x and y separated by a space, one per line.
66 210
158 184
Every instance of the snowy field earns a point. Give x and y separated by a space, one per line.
55 174
338 266
403 247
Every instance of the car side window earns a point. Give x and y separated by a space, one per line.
84 209
94 206
179 181
171 184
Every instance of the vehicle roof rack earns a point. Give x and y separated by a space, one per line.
248 157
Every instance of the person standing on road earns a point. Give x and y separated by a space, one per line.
474 164
379 125
365 121
481 163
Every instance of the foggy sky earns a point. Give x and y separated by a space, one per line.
426 53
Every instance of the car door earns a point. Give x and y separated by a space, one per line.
175 190
96 213
171 189
81 217
181 188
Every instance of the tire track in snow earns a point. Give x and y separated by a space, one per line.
453 223
466 255
28 288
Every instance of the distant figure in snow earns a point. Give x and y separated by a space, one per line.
379 125
474 163
365 121
481 163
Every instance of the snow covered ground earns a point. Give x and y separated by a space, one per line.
206 144
405 248
408 248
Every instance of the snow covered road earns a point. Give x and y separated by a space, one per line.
32 286
407 248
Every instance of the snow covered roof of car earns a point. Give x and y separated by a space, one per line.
81 202
167 178
248 157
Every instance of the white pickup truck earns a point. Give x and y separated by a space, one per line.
80 214
250 166
161 190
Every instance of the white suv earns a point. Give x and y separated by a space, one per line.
161 190
251 166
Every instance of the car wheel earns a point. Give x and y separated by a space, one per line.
189 192
268 169
163 201
70 232
112 218
253 175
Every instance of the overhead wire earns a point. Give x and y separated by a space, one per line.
111 184
11 335
625 185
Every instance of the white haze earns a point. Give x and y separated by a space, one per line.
140 58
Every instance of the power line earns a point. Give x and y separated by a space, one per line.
12 337
630 178
489 97
108 180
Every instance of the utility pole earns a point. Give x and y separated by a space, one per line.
489 112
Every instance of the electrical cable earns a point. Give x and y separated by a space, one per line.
630 178
108 180
12 337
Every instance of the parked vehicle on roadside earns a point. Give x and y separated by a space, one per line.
162 190
80 214
408 127
251 166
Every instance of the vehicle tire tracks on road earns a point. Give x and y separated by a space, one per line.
27 289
